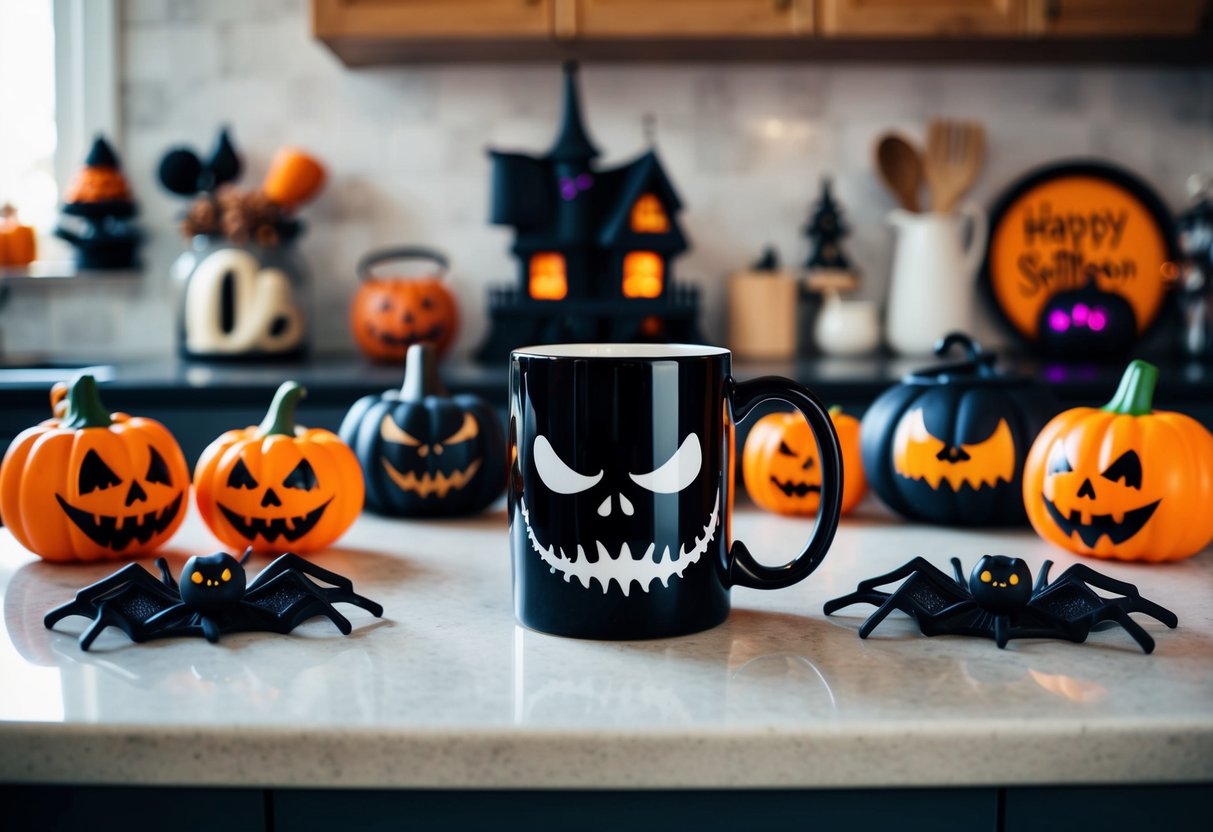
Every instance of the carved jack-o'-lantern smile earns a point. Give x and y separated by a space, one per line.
273 525
919 455
96 511
1123 477
398 328
432 480
797 483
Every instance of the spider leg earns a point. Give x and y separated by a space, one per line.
957 571
209 628
89 599
106 617
1042 579
867 593
309 601
882 612
1132 600
290 560
1002 630
166 574
874 597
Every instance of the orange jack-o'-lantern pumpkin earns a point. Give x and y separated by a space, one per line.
277 486
92 485
1123 481
390 314
782 468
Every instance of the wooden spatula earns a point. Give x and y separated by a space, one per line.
954 155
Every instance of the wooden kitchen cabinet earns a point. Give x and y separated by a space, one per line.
920 18
364 32
433 18
683 18
1115 18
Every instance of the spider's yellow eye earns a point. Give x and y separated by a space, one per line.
227 575
986 577
196 577
1014 579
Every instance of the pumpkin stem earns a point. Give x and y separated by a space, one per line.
84 407
421 374
280 420
835 410
1135 395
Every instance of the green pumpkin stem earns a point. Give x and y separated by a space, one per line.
84 407
1135 395
421 374
280 420
835 410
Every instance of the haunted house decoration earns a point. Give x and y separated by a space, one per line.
595 247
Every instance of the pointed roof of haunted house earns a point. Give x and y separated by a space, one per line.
527 191
573 142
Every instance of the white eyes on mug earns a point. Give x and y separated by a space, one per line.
675 474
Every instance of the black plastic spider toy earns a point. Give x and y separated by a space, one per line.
999 601
212 599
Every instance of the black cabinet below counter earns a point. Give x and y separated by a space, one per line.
200 401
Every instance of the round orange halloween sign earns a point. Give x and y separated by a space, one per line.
1079 258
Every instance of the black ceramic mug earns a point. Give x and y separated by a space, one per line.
621 483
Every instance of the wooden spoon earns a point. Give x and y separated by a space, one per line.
900 166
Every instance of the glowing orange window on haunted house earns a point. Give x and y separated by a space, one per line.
643 275
548 279
648 217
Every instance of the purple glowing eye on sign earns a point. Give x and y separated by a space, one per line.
568 188
1081 311
1059 321
1097 320
584 181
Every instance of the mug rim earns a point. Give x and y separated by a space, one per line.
617 351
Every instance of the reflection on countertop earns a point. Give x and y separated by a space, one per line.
447 690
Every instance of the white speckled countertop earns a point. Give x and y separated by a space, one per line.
447 691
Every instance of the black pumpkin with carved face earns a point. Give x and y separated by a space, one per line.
947 445
425 454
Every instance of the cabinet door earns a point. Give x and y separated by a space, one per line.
683 18
920 18
501 19
1111 18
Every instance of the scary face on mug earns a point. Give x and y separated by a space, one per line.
625 496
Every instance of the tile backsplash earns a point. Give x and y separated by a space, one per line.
746 146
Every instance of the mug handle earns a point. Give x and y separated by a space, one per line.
743 569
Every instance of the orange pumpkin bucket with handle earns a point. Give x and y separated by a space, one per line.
391 313
1123 481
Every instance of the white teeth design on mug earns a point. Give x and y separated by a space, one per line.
621 567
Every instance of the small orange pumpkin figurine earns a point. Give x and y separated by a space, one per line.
1123 481
782 468
91 485
390 314
276 486
17 245
294 178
